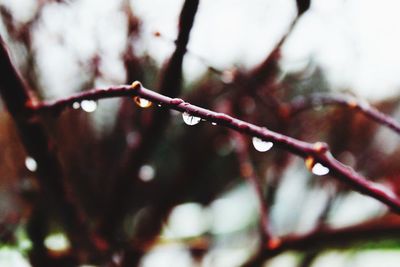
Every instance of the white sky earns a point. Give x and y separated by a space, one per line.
354 41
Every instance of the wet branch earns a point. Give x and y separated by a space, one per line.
170 84
314 153
301 104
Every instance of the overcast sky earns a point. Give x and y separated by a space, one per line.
354 41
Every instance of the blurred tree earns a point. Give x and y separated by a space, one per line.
125 181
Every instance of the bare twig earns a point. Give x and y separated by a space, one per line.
315 153
268 68
170 83
301 104
302 6
381 229
248 172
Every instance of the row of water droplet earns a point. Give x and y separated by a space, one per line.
259 144
264 146
315 167
91 105
86 105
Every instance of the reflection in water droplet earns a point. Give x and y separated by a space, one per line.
214 123
89 105
76 105
189 119
320 169
146 173
260 145
31 164
141 102
316 168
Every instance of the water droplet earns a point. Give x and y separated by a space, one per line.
315 167
189 119
214 123
76 105
57 242
31 164
146 173
260 145
89 105
320 169
141 102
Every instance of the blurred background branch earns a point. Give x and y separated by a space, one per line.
116 177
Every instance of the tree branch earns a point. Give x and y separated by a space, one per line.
269 67
301 104
170 83
248 172
302 6
380 229
38 146
314 153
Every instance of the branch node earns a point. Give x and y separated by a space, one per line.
274 243
352 103
136 85
321 147
176 101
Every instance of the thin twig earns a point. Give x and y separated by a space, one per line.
170 83
268 68
248 172
315 153
302 6
385 228
302 103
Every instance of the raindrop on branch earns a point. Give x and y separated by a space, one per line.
190 119
141 102
260 145
31 164
76 105
315 167
89 105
